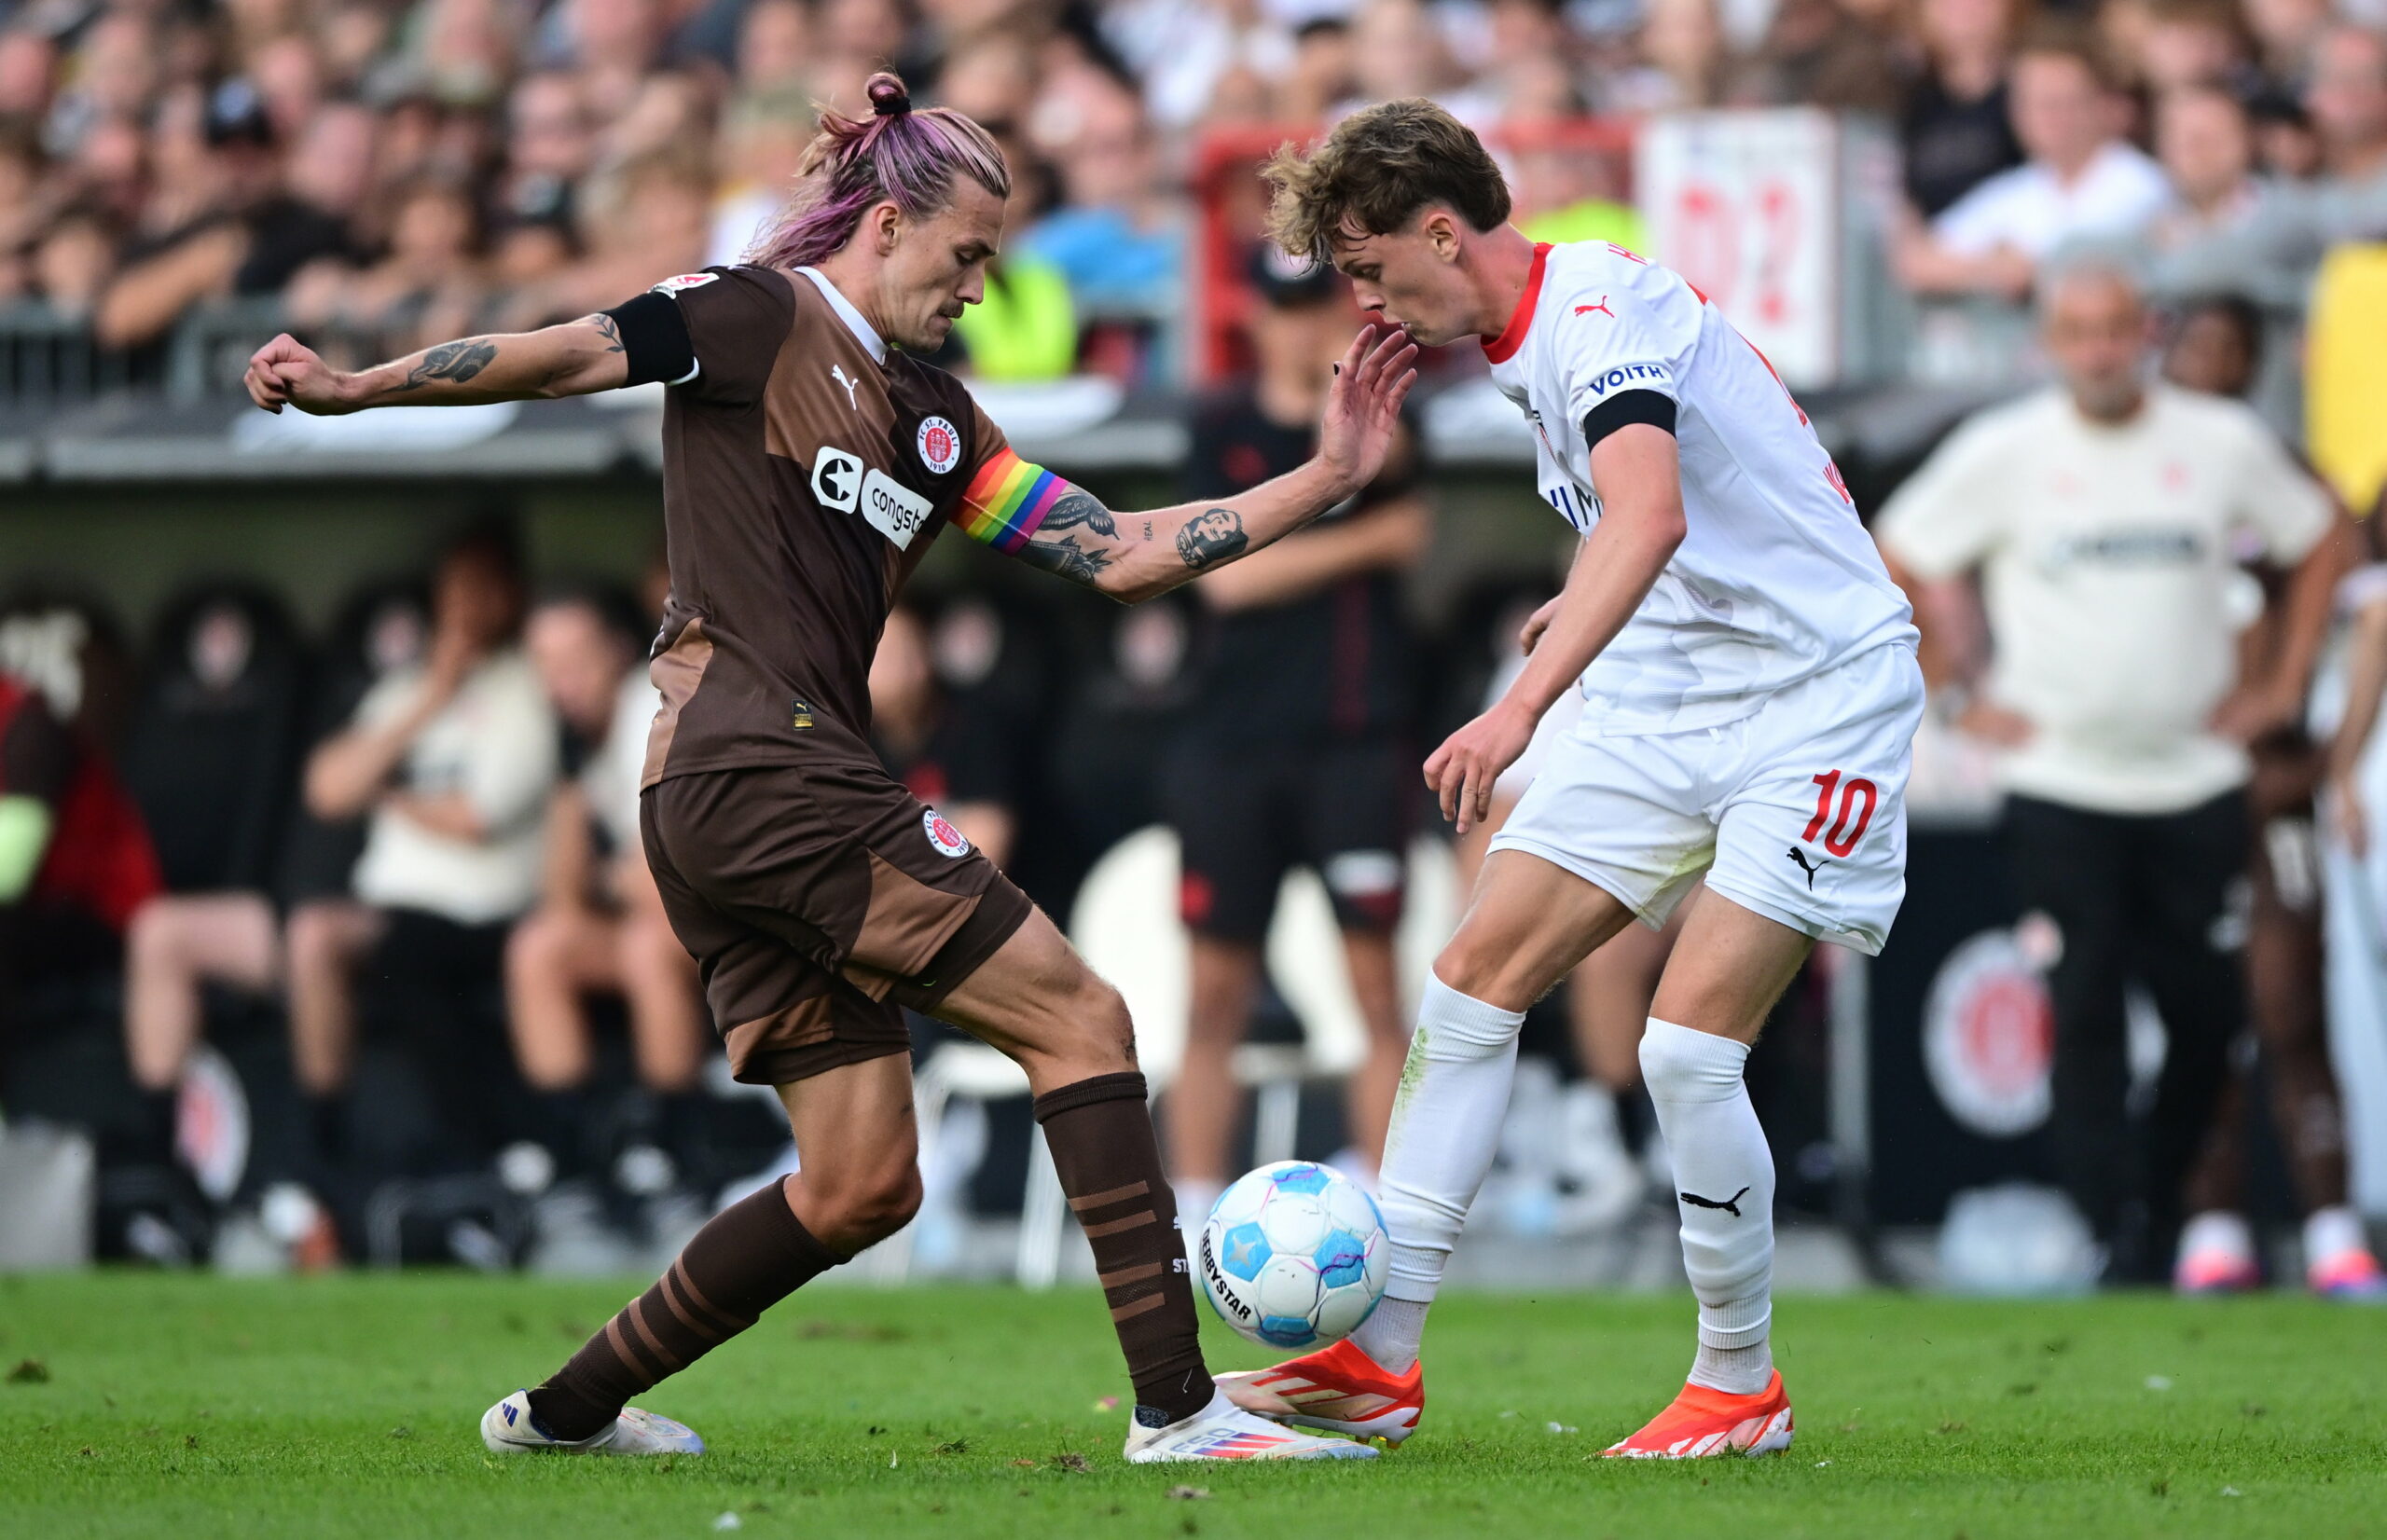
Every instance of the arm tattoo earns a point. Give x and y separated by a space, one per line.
452 361
604 324
1078 508
1212 537
1064 558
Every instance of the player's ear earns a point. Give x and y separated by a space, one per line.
886 223
1441 228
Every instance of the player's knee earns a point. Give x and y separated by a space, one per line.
1104 1035
1683 1066
1481 971
869 1206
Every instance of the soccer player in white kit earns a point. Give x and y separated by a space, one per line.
1750 696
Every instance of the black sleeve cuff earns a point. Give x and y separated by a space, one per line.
655 338
1620 412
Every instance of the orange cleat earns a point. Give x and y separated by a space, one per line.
1339 1388
2353 1275
1704 1423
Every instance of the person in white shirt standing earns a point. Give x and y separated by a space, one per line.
2083 181
2107 518
1749 698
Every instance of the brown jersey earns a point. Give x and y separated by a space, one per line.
802 480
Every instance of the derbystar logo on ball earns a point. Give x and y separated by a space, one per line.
943 835
1294 1256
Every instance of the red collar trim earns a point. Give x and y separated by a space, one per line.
1503 347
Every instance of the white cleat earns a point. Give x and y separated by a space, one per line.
1224 1431
508 1428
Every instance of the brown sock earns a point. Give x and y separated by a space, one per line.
1100 1133
747 1258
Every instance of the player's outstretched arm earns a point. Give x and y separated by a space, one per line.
573 358
1641 522
1135 555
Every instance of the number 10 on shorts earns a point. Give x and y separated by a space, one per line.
1853 820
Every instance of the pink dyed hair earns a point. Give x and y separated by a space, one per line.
910 159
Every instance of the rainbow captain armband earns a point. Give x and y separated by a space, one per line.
1007 499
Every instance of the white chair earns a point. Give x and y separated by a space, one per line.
976 1072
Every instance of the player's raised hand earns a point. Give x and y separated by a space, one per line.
287 373
1462 771
1363 405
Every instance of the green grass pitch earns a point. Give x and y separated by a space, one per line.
148 1405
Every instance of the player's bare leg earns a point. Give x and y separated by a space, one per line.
859 1182
1037 1001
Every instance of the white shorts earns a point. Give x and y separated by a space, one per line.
1796 811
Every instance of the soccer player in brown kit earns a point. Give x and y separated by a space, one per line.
809 461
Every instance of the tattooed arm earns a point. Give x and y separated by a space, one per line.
575 358
1066 531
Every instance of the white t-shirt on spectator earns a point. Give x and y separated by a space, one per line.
2027 209
495 742
610 777
2108 555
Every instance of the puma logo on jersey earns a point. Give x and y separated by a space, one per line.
837 373
1731 1205
1601 308
1809 868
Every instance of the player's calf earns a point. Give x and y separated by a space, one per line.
746 1258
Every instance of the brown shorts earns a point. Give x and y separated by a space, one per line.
818 900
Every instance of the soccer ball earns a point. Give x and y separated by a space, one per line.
1294 1255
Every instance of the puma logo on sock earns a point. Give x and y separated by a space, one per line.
1731 1205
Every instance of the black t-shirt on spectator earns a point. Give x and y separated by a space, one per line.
966 758
284 235
1332 664
1953 147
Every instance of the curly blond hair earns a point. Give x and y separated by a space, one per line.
1375 171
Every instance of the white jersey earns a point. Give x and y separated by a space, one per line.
1776 580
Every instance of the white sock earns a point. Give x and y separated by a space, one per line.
1718 1157
2331 1232
1445 1128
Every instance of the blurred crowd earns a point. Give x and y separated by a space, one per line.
396 172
